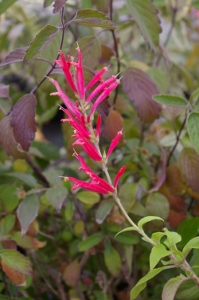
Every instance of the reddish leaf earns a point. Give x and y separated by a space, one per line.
9 244
58 5
72 273
7 139
112 124
23 120
4 91
15 277
189 166
16 55
140 89
174 180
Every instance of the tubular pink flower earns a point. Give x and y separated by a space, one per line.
114 143
100 88
88 148
118 175
84 167
65 65
92 186
103 95
80 75
70 106
98 125
96 78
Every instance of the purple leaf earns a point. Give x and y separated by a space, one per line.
23 120
140 89
14 56
7 139
4 91
58 5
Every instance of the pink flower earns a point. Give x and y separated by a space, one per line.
98 125
100 88
88 148
80 75
114 143
118 175
70 106
65 65
96 78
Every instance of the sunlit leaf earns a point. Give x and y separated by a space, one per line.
145 15
148 219
140 89
27 211
16 261
170 100
192 244
157 252
15 277
94 18
140 286
193 129
40 42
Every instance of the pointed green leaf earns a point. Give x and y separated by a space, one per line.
145 15
127 229
90 242
40 42
94 18
170 100
103 211
88 197
192 244
56 196
16 261
27 211
193 129
194 96
142 282
112 259
127 238
158 251
158 205
27 178
172 238
156 236
172 286
148 219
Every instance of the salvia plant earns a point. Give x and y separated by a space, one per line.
113 214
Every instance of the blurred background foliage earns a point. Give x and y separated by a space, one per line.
70 237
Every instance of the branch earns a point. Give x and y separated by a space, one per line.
37 171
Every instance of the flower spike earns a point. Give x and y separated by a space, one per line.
114 143
80 75
96 78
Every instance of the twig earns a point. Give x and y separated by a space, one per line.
177 140
37 171
116 52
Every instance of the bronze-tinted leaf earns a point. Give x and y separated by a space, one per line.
15 277
7 139
58 5
72 273
174 180
140 89
112 124
23 120
189 166
16 55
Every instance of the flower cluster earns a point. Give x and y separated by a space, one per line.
80 116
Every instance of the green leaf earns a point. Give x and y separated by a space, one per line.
194 96
27 178
87 197
156 236
56 196
45 150
40 42
192 244
188 229
103 211
90 242
158 205
47 3
7 223
126 229
16 261
27 211
127 238
8 197
142 282
148 219
5 4
127 195
145 15
193 129
170 100
172 286
112 259
158 251
195 3
187 291
94 18
172 238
